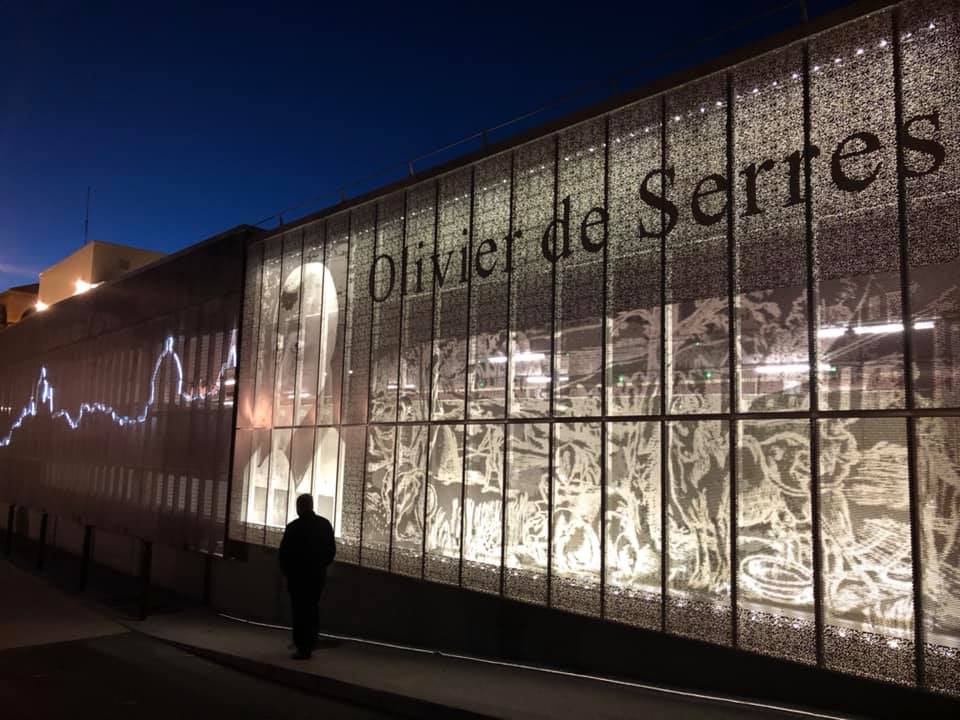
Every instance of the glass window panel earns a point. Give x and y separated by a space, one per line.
267 339
331 380
483 508
301 471
406 556
938 489
279 486
633 538
930 62
378 497
531 287
775 540
288 329
450 273
865 540
387 307
357 332
575 527
259 483
417 303
314 286
326 491
859 331
528 519
443 502
698 531
633 273
350 496
489 300
581 231
770 231
697 250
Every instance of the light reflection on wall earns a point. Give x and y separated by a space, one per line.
578 436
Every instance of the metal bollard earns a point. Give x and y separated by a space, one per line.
11 513
42 541
146 561
85 558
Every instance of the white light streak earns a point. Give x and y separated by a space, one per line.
43 395
881 329
789 368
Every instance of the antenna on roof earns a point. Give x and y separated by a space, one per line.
86 221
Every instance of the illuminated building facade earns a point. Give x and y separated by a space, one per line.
690 364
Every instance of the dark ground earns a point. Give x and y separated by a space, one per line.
130 676
59 659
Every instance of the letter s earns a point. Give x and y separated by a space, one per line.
658 202
923 145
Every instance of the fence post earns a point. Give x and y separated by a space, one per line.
207 578
11 514
85 558
42 541
146 561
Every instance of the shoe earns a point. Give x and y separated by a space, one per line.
300 655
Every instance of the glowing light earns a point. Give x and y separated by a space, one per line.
45 392
40 305
880 329
82 286
790 368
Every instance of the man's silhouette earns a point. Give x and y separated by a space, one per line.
306 550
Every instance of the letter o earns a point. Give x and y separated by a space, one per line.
372 280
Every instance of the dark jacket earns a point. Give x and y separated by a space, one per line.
306 550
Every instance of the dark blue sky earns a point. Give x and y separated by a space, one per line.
188 120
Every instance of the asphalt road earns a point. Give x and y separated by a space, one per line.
59 659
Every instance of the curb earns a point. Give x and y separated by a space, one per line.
393 703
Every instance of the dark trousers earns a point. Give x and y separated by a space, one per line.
306 619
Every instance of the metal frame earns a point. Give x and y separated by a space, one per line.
733 415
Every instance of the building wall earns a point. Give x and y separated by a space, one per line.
116 407
93 263
15 303
646 368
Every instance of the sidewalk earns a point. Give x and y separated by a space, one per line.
421 683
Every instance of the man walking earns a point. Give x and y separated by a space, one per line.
306 550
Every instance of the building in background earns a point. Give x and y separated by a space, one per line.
94 263
17 303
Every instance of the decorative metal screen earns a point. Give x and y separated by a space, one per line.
652 367
116 408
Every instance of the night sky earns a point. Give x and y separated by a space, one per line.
189 121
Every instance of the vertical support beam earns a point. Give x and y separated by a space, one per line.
42 541
232 444
551 413
11 516
506 383
466 374
396 414
369 420
664 376
341 407
86 557
732 364
813 312
146 563
604 370
907 320
207 579
433 334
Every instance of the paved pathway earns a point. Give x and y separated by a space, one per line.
476 687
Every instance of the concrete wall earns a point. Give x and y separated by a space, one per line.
16 303
93 263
